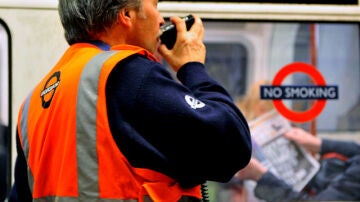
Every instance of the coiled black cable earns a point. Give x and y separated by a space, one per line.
204 192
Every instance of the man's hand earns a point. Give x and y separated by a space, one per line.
253 171
305 139
189 46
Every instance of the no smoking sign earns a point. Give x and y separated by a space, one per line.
320 92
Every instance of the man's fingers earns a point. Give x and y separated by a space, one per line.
179 24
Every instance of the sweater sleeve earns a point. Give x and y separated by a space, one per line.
20 190
272 189
345 148
190 130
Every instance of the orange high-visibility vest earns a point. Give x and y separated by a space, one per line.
65 135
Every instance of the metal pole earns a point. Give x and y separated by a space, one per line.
313 57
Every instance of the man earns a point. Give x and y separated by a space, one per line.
337 180
110 123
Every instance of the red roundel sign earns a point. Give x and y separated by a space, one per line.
318 79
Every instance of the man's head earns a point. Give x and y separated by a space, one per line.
134 22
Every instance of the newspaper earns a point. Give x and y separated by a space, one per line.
285 159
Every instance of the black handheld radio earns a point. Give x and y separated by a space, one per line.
168 36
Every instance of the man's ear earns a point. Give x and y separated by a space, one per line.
124 17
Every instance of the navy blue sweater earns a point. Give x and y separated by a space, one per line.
188 129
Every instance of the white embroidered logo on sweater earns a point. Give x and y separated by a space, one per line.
193 102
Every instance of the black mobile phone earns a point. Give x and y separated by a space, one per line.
168 36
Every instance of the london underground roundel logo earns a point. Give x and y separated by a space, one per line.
49 89
318 92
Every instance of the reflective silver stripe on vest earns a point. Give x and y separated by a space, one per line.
24 137
88 182
70 199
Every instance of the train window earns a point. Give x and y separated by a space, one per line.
4 113
254 51
319 44
339 68
226 63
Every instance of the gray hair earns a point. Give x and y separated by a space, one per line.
84 19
